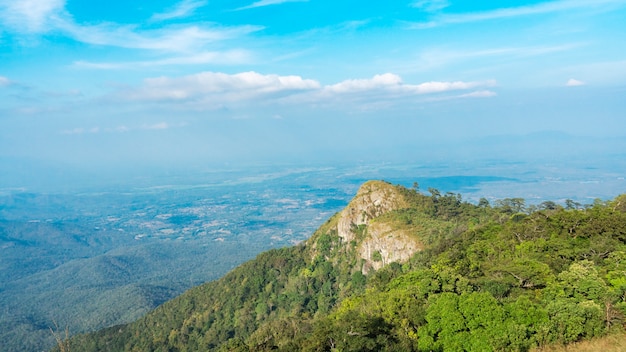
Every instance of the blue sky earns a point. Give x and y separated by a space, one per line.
196 81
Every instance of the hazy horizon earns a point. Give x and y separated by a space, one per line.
108 90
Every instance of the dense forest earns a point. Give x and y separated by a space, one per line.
500 276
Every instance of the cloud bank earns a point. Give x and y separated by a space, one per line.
214 89
225 87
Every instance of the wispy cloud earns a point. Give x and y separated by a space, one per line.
231 57
263 3
182 9
81 130
431 5
157 126
30 16
39 17
123 128
536 9
172 39
479 94
438 57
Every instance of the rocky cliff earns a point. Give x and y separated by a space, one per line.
362 226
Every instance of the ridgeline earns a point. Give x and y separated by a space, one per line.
398 270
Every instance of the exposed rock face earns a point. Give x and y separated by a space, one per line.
391 246
373 199
379 243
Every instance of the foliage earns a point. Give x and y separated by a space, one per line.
501 278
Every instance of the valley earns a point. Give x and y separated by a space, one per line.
102 256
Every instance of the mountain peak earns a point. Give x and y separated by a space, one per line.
373 199
362 229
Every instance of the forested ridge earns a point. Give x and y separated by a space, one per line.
487 277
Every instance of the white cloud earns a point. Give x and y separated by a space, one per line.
387 90
387 80
240 86
536 9
438 87
393 83
232 92
182 9
263 3
574 83
30 16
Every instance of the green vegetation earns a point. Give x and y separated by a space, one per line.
507 277
108 256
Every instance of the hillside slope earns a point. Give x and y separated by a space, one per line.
102 289
470 278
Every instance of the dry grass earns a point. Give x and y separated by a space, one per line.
63 342
611 343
